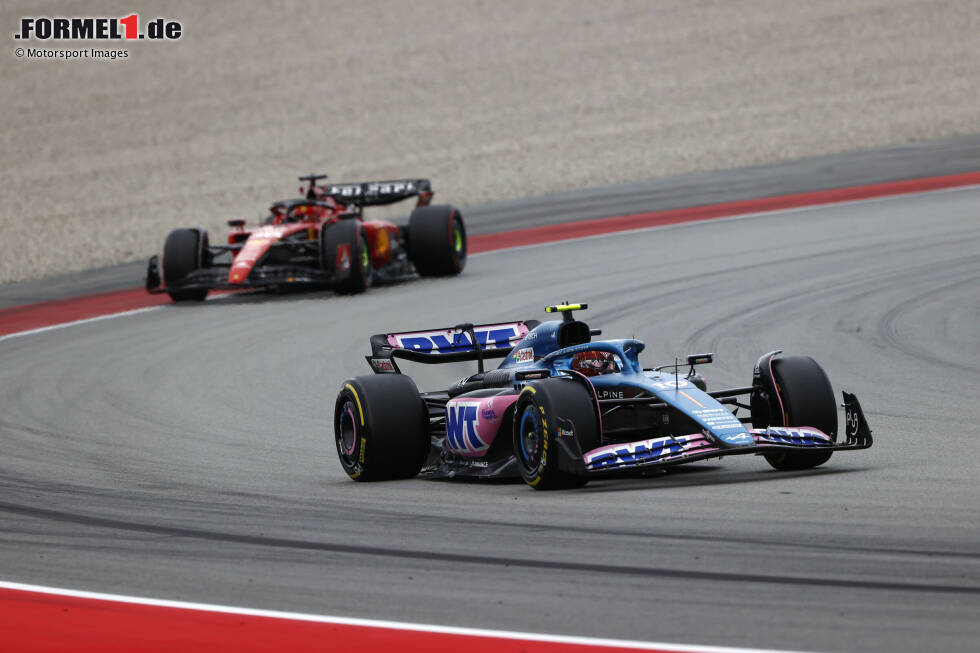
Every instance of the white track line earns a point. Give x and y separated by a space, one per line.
610 234
108 316
63 325
387 625
431 628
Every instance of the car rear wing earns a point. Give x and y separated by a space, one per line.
463 342
375 193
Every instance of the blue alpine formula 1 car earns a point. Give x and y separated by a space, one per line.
562 408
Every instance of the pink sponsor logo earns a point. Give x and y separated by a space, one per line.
472 424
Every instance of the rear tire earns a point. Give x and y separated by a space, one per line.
808 400
437 241
183 253
345 253
381 428
536 416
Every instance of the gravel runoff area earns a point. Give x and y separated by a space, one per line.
490 100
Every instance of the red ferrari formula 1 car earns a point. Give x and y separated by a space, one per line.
320 240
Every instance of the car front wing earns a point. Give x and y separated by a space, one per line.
674 450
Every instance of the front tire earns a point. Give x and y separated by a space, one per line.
381 428
437 241
345 252
807 400
536 421
183 253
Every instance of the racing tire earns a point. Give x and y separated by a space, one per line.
183 253
355 256
808 400
437 241
381 428
536 416
153 280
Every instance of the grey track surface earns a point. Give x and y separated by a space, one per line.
185 453
932 158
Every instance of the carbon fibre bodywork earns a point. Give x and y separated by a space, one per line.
646 418
292 247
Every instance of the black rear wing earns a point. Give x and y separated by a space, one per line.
463 342
374 193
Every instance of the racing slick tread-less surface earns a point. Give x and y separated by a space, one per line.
186 453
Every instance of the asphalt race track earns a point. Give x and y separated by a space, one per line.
934 158
185 453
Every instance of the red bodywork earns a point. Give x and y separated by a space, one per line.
311 215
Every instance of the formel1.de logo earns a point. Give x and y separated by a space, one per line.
44 28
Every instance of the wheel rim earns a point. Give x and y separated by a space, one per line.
458 242
347 431
529 434
457 238
367 272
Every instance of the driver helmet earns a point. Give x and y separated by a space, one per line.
297 213
594 363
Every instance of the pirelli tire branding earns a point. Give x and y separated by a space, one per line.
544 440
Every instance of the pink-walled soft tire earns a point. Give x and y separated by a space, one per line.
381 428
807 400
